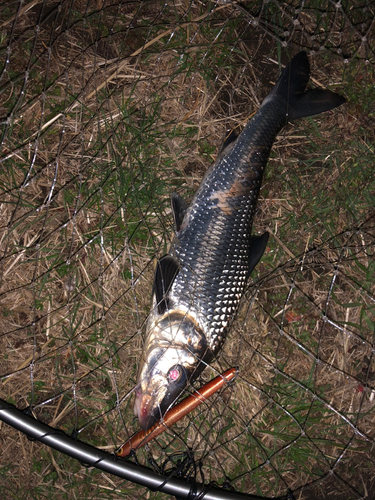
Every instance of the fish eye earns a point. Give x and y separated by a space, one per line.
176 374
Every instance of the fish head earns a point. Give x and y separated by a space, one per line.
175 347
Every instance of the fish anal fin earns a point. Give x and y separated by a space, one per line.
167 269
179 207
257 247
227 144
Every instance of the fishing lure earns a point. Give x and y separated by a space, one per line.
176 413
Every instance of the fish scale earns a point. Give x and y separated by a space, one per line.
213 248
198 285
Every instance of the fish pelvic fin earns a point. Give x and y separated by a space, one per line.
291 86
179 207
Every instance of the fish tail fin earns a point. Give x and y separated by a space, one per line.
291 86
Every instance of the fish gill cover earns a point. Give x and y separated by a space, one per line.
106 109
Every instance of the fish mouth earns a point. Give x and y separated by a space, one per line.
145 409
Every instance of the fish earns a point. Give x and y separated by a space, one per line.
199 283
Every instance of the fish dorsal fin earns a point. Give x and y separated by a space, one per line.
257 247
167 269
179 207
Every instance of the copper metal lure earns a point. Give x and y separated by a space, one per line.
177 413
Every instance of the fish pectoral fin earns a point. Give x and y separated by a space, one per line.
167 269
179 207
257 247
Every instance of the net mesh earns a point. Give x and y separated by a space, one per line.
107 108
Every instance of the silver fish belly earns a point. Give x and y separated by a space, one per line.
198 285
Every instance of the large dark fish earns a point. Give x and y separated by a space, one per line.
199 283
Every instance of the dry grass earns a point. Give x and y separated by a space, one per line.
116 112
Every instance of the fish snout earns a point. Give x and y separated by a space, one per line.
145 411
